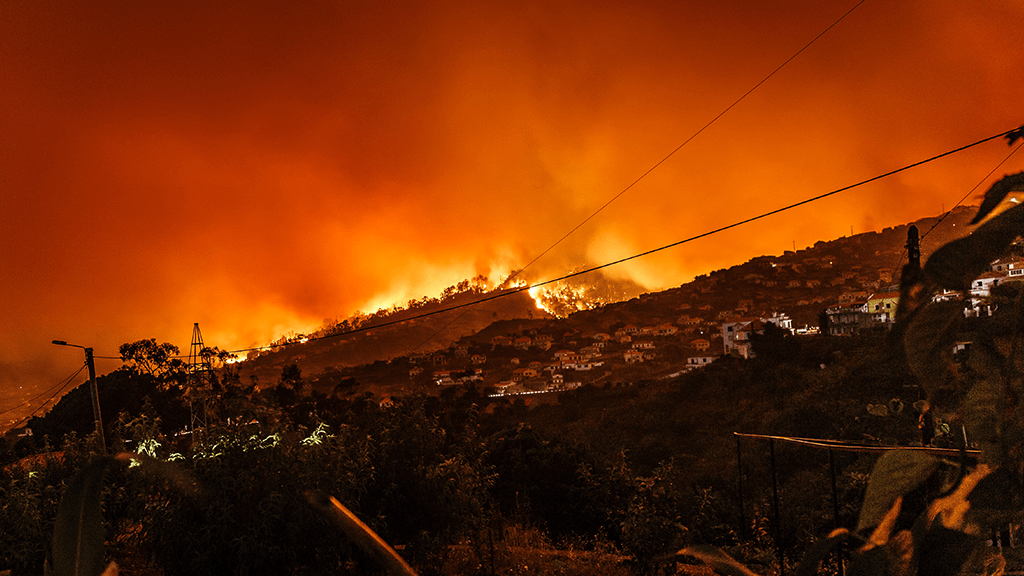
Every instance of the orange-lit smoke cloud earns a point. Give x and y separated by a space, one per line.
259 166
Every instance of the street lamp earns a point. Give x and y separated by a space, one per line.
94 391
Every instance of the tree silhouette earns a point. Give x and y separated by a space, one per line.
148 357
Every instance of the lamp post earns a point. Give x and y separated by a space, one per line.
94 391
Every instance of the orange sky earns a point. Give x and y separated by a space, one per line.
258 167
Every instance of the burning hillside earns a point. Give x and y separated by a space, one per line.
584 292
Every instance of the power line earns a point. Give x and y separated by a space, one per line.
61 384
656 165
60 387
959 202
987 176
517 290
784 208
688 140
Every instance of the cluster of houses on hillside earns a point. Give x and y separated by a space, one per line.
525 363
586 359
880 309
514 358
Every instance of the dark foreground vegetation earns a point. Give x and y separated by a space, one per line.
615 477
607 479
611 479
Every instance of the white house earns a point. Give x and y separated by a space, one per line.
981 287
699 361
781 320
736 336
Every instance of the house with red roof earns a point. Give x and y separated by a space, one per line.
882 307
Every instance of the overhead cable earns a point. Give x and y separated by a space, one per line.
60 387
655 166
517 290
895 268
688 140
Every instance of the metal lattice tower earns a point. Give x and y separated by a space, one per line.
199 372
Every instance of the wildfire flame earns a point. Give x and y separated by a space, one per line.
517 283
563 300
538 297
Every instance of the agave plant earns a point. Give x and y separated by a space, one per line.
77 546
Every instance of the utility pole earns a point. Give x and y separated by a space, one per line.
913 248
95 399
94 392
912 274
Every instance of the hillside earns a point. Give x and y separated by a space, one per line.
402 334
800 284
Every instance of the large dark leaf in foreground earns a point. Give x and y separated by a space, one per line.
77 548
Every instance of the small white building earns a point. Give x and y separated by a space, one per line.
699 361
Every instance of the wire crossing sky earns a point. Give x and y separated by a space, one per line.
524 288
600 209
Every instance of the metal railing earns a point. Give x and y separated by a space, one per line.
831 446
